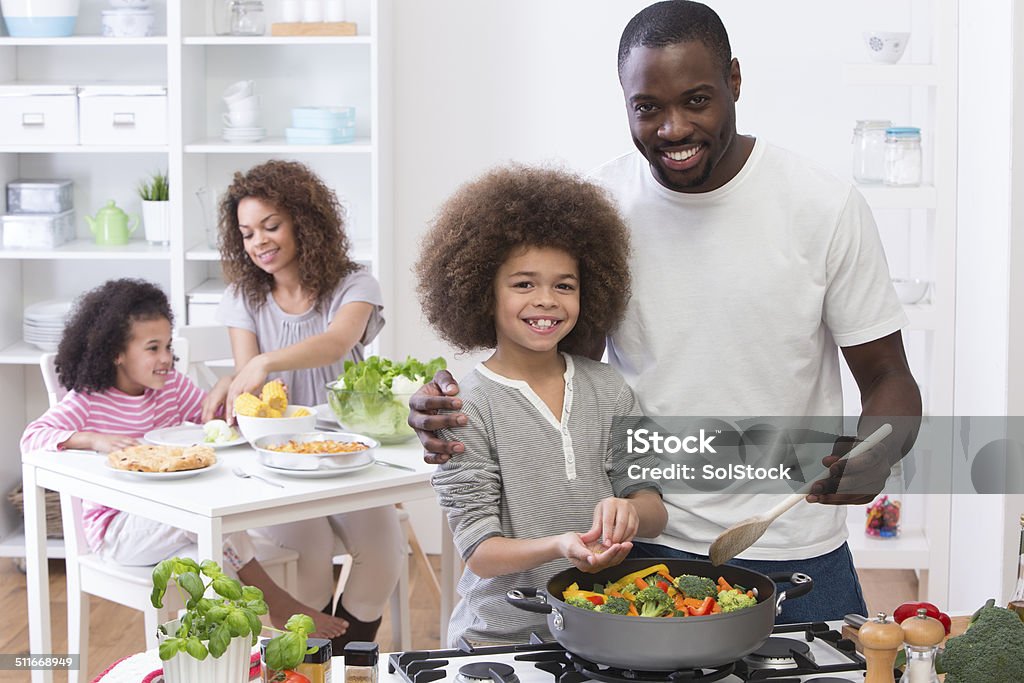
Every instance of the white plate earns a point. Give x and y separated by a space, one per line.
187 435
325 419
180 474
48 309
318 474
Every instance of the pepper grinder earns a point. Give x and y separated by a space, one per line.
881 639
922 634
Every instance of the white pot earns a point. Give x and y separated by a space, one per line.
156 218
230 667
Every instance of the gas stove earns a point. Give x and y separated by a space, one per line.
796 653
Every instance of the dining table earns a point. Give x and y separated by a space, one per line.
213 503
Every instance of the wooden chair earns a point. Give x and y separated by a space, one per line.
88 574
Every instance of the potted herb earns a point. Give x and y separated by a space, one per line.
212 640
156 208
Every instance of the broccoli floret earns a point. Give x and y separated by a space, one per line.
733 601
615 606
582 603
696 587
990 651
653 602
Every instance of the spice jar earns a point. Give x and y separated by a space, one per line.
902 157
869 150
315 667
361 662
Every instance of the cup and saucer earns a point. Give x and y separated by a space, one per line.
242 118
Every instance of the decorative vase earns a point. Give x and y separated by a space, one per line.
156 218
230 667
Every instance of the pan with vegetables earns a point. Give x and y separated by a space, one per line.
661 614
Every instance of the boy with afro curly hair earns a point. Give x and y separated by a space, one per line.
533 263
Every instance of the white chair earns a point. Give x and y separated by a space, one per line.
87 574
196 346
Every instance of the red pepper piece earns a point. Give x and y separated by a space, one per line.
909 609
596 599
663 586
704 609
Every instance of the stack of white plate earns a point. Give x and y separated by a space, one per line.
44 323
247 134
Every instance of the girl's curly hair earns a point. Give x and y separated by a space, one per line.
509 208
99 330
322 245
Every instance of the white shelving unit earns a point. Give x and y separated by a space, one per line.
931 211
196 66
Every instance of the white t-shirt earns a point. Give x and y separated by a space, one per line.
740 298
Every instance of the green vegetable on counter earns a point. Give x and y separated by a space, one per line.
990 651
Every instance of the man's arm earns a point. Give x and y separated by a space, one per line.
888 394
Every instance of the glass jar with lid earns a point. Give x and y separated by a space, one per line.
869 150
902 156
239 18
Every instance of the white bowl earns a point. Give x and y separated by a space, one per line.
39 18
886 46
128 23
253 428
910 291
133 4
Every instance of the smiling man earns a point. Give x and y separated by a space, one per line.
751 266
751 269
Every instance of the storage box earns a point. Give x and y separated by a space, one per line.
37 230
38 115
203 302
39 196
123 115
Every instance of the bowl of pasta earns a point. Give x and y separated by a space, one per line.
309 451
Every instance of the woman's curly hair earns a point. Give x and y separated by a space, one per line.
99 330
320 239
509 208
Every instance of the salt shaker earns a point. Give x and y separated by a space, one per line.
922 634
881 639
361 662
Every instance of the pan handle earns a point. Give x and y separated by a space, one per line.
529 599
802 585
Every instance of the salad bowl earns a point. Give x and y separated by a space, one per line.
382 417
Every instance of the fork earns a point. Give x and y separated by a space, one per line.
239 472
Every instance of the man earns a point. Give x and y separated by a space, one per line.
750 267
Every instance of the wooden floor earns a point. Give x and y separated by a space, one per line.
116 631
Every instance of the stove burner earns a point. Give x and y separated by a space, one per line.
486 671
597 672
778 653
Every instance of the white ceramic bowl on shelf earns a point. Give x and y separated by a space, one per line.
39 18
910 291
128 23
886 46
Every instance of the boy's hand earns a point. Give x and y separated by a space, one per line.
436 395
591 557
615 521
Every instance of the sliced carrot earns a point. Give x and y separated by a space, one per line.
632 610
723 585
750 594
716 609
640 583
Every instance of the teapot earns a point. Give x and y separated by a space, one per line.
111 225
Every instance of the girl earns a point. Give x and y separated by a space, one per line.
115 359
297 307
533 264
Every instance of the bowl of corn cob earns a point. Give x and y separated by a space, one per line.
270 413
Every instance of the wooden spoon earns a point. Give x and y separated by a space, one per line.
742 535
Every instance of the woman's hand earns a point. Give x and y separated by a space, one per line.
214 404
591 557
615 521
424 416
250 378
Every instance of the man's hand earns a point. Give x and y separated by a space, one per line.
591 557
853 482
425 417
